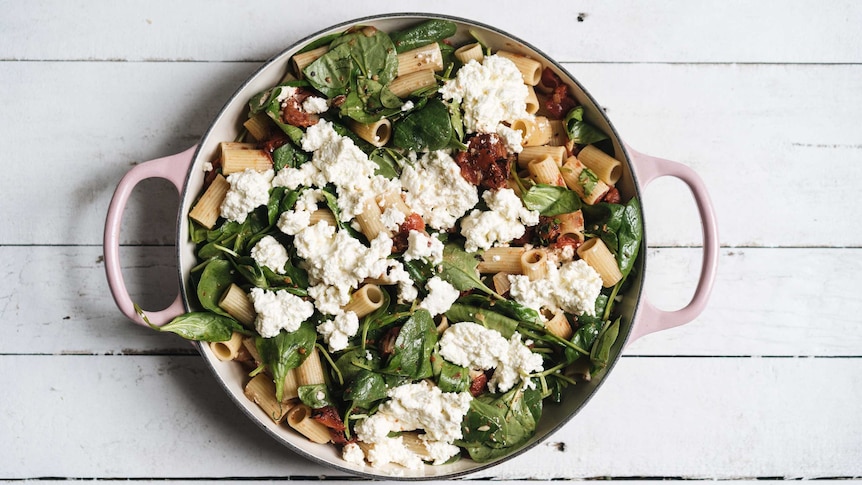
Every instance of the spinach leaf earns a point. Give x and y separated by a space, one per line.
584 336
413 347
366 389
286 351
388 162
453 378
492 320
600 353
459 268
420 271
373 56
288 155
216 277
424 33
345 363
620 228
494 425
580 131
425 129
551 200
315 396
202 326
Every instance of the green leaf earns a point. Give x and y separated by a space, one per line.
425 129
373 56
459 268
489 319
588 180
202 326
288 155
453 378
424 33
601 351
215 279
551 200
286 351
315 396
413 347
620 228
580 131
388 162
366 389
495 425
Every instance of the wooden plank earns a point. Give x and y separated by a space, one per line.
751 130
775 302
610 31
164 417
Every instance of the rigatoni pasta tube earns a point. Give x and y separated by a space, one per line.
299 418
528 154
237 160
534 264
291 385
229 349
503 258
583 181
370 222
607 168
303 59
501 283
546 171
393 199
325 215
420 59
235 301
402 86
365 300
571 223
311 370
258 126
470 52
261 391
208 208
596 254
558 325
534 131
532 102
531 69
376 133
559 137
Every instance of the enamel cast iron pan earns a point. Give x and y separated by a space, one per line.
184 170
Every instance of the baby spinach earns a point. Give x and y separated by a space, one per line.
453 378
203 326
215 278
349 362
413 347
551 200
425 129
433 30
584 336
388 162
366 389
288 155
600 353
579 130
489 319
286 351
496 424
620 228
459 268
315 396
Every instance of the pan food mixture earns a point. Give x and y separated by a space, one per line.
412 247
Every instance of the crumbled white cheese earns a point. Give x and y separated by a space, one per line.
352 453
489 93
315 105
414 406
392 218
337 161
207 166
503 222
284 93
277 310
572 288
423 246
248 190
270 253
471 345
436 190
441 296
513 138
337 331
329 299
291 222
407 106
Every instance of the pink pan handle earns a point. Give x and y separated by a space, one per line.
172 168
649 318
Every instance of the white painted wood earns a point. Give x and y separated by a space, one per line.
787 302
757 136
164 417
609 31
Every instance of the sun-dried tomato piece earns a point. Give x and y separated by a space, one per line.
486 162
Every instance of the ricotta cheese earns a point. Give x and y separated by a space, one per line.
572 288
291 222
436 190
489 93
278 310
441 296
315 105
337 331
503 222
248 190
423 246
473 346
270 253
352 453
392 218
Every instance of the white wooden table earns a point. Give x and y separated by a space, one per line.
762 99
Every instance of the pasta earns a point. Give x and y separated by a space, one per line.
386 222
